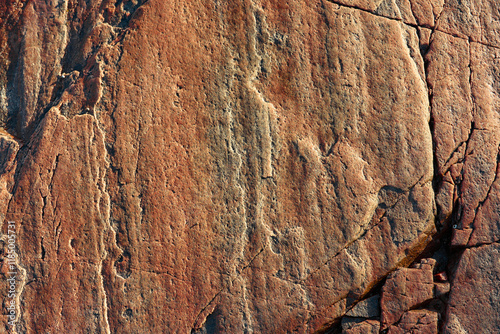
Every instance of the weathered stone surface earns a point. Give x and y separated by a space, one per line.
421 322
462 76
466 137
366 308
9 148
475 292
404 289
441 289
414 12
449 81
360 327
230 173
474 19
246 166
485 93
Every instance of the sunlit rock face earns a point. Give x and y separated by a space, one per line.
249 166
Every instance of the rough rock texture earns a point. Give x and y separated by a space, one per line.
367 308
404 289
366 326
475 296
249 166
421 322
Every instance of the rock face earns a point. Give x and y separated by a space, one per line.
475 296
249 166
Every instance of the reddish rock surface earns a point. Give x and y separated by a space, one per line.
364 327
404 289
475 293
416 322
248 166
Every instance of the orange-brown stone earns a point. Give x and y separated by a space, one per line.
242 166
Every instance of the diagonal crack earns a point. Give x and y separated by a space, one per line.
363 234
481 203
433 28
447 165
197 318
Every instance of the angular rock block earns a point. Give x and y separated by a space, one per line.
404 289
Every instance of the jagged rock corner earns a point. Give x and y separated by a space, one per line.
251 166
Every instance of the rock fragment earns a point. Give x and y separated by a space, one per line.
367 308
405 289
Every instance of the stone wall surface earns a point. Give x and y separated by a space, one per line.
250 166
